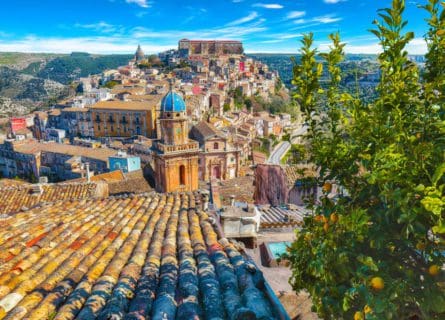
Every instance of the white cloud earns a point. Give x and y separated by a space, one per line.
333 1
295 14
326 19
316 21
416 46
272 41
269 5
101 26
250 17
229 31
141 3
97 45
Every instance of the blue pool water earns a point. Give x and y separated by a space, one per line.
278 248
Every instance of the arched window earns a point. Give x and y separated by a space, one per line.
215 145
182 175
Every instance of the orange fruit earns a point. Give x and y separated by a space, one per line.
434 270
327 187
358 316
326 227
367 309
420 245
334 217
319 218
377 283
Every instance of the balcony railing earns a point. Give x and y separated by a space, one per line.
192 146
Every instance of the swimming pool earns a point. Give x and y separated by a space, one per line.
278 248
271 253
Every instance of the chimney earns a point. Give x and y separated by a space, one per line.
232 200
43 179
205 200
36 189
87 165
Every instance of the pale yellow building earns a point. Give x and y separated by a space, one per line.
118 118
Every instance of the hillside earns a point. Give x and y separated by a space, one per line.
31 80
360 71
65 69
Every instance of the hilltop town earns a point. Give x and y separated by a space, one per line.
187 126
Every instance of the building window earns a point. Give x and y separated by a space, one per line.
215 145
138 130
182 175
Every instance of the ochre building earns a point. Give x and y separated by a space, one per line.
175 155
124 118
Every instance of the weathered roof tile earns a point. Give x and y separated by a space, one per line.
144 256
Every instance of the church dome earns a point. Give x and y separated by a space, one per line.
139 55
173 102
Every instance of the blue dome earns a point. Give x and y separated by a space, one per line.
172 102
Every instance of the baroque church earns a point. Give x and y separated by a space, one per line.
175 155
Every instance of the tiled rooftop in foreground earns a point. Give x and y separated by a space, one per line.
150 256
16 198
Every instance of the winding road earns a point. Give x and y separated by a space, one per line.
283 147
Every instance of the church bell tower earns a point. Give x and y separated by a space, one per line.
175 155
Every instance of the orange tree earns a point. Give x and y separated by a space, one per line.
376 251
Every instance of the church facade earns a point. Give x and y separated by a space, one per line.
175 155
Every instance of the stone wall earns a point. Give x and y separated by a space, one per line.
270 185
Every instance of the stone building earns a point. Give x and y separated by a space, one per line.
76 122
189 48
32 159
124 118
218 159
175 155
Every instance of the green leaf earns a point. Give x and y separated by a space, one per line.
368 261
438 173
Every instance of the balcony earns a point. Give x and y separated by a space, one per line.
111 121
97 120
123 121
171 149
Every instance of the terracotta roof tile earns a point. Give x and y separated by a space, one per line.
13 199
277 217
295 172
116 175
32 147
153 256
204 130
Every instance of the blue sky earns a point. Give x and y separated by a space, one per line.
117 26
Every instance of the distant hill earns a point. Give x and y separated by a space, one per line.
358 69
30 80
65 69
360 63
